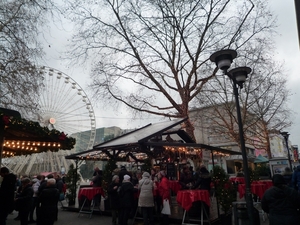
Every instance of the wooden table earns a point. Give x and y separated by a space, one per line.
174 185
240 180
89 193
268 183
257 189
185 199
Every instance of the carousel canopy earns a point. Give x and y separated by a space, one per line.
152 140
21 137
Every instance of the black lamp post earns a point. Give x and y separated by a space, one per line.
223 60
286 138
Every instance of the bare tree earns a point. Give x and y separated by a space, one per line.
263 102
152 55
20 50
266 99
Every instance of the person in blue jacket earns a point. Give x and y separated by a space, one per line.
296 178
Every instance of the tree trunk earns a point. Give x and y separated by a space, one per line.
189 128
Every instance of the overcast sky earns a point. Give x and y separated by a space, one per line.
287 50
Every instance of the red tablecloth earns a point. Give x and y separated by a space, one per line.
90 192
240 180
268 183
257 189
186 198
174 185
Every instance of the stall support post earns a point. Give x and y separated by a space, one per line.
215 184
1 142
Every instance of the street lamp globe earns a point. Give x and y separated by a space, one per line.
239 74
223 58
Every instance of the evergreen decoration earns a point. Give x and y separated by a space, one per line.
30 130
262 170
253 174
146 167
225 191
72 180
110 166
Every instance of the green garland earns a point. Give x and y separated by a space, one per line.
108 173
32 129
224 189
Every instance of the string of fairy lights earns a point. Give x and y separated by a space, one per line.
33 146
103 156
99 155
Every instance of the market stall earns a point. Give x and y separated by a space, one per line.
166 144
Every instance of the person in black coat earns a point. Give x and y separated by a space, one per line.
24 200
97 182
204 179
59 183
97 177
114 198
186 179
43 183
122 173
287 175
7 193
281 203
47 201
126 195
203 183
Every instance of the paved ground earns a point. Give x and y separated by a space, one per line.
71 218
67 217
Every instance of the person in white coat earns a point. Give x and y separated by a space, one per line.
146 201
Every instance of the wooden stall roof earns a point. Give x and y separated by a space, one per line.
145 138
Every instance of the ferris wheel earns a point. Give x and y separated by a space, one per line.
62 105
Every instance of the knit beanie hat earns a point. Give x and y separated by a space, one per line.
146 174
126 177
34 180
115 177
278 179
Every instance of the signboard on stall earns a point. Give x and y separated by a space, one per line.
277 165
205 155
171 171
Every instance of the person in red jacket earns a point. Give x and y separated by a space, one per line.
164 192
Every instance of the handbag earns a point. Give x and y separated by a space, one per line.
61 196
166 210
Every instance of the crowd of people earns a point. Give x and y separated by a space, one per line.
199 179
147 190
37 197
